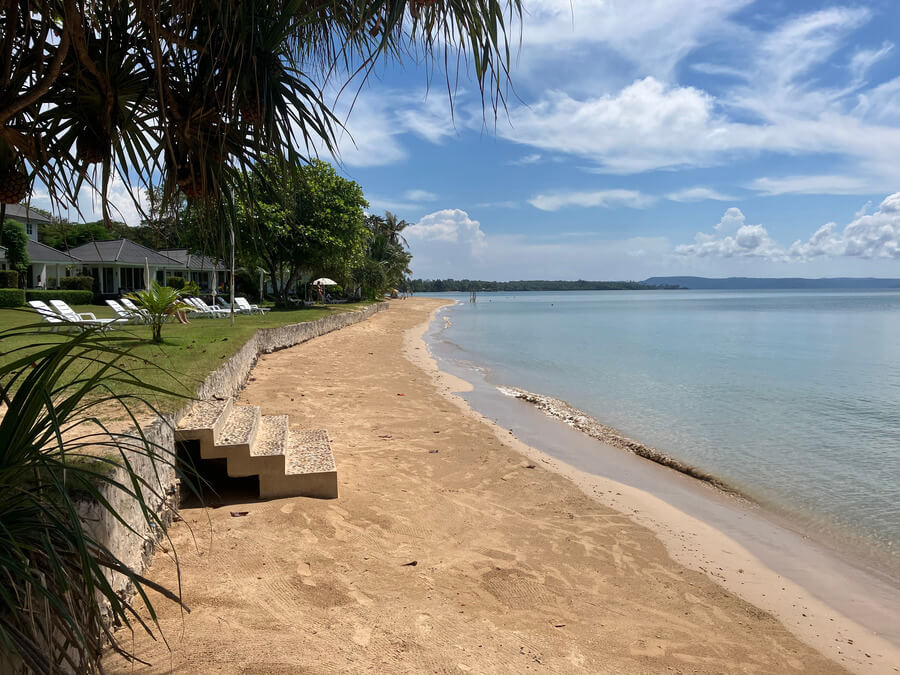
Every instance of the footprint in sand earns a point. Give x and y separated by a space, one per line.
362 635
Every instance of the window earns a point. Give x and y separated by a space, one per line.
29 229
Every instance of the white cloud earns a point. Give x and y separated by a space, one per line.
371 137
867 237
419 196
506 204
863 59
697 194
733 238
527 159
450 226
126 203
814 185
602 198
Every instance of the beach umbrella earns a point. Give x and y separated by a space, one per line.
325 281
44 277
146 274
214 283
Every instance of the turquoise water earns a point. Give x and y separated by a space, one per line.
792 397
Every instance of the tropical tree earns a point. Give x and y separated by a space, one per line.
298 220
93 91
160 303
388 251
15 241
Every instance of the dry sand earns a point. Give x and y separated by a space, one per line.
447 551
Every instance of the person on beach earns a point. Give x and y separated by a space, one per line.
320 292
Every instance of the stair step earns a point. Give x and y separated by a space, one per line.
272 437
266 453
308 452
241 426
204 421
309 469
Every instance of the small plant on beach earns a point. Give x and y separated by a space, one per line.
58 599
159 303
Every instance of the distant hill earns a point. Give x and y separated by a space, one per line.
468 285
751 283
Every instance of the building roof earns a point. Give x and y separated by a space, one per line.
41 253
122 251
25 215
193 261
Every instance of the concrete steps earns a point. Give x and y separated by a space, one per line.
288 463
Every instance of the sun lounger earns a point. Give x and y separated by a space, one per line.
205 310
224 304
245 306
47 315
83 318
129 315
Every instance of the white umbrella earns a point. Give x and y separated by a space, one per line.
214 284
146 274
44 277
325 281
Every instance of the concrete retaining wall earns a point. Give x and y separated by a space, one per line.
134 543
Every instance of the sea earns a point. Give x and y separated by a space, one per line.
791 398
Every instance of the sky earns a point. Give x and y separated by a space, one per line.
647 138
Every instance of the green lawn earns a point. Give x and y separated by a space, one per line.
189 352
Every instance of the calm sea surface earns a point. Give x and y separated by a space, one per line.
792 397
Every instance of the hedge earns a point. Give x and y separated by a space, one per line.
175 282
12 297
77 283
71 297
9 279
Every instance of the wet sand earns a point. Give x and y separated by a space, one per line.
448 550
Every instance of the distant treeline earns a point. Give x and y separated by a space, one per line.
468 285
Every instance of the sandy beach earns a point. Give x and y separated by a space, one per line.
453 547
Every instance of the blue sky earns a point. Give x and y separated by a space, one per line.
772 129
654 137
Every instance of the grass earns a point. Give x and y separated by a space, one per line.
188 352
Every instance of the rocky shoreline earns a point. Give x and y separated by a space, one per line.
580 420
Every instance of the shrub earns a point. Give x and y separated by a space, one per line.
175 282
77 283
71 297
9 279
12 297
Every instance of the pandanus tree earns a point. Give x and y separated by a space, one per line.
190 95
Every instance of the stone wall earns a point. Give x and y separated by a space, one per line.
134 543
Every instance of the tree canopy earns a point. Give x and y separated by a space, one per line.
15 241
297 221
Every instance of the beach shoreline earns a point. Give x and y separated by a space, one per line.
452 547
690 540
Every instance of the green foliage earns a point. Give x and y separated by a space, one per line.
296 221
468 285
15 241
82 283
12 297
9 279
388 249
70 297
63 235
175 282
160 303
57 598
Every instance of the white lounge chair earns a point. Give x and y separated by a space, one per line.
83 318
130 315
47 315
205 309
224 304
250 309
